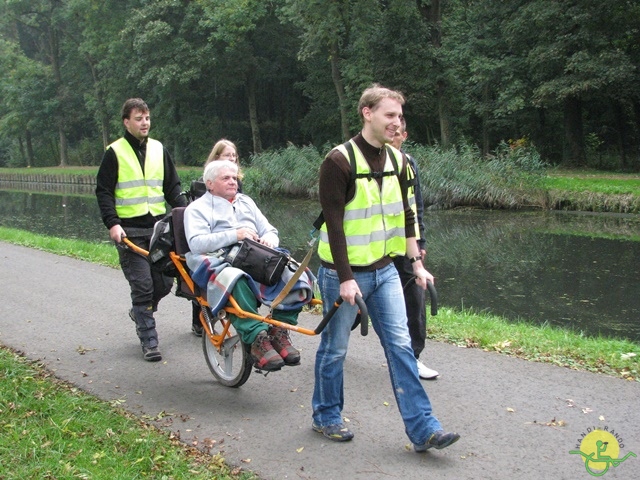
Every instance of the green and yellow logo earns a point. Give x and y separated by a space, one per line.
600 449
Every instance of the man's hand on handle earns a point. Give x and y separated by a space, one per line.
349 290
117 233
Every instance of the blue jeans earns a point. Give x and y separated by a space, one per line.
382 293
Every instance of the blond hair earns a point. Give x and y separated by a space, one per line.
373 95
217 150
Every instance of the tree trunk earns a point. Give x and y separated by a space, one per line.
23 154
432 13
54 49
444 114
178 144
621 133
253 111
339 86
64 147
573 152
30 158
105 131
100 102
635 157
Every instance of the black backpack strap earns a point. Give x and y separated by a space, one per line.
412 182
352 162
319 221
396 169
352 159
370 175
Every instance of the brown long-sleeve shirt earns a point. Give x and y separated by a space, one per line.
336 188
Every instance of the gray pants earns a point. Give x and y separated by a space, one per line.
148 287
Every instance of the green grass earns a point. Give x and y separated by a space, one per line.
50 429
615 357
608 186
54 170
100 253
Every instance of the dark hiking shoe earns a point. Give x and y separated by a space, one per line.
438 440
197 329
263 355
282 344
151 354
338 432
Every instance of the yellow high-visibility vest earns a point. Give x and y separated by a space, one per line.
138 193
374 221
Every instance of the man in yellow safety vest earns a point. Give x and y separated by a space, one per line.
135 179
368 222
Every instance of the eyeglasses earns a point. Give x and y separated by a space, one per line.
229 155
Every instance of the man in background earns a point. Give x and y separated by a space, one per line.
414 295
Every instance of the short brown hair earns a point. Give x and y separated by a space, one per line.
133 104
372 96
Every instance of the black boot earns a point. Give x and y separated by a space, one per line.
146 329
196 325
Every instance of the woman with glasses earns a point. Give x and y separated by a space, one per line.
225 150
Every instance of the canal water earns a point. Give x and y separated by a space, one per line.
573 270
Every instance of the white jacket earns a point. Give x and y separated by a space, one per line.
210 222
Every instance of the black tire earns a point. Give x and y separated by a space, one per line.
231 364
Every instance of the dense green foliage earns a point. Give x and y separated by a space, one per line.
561 76
509 178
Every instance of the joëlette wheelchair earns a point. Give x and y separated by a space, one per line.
228 358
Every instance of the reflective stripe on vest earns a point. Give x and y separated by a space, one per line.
373 218
136 193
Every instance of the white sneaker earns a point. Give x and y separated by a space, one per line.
425 372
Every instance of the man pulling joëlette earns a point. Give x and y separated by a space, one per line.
368 221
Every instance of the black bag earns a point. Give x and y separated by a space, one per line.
160 245
264 264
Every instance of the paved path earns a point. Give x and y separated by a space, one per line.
72 316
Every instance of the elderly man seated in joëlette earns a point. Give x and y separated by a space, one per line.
213 223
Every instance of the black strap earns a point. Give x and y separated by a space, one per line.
317 224
354 175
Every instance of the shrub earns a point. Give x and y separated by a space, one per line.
292 171
509 178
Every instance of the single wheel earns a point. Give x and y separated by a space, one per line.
231 362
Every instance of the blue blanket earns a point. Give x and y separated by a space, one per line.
218 278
